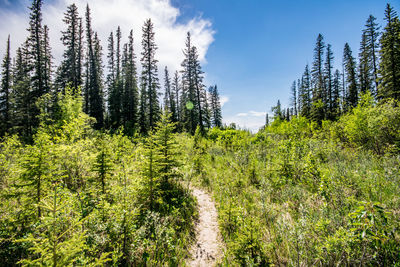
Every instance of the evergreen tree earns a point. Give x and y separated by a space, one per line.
21 95
130 88
216 116
318 84
47 58
336 89
103 164
59 241
71 66
37 62
329 82
114 85
200 92
36 171
390 56
169 97
5 92
294 97
149 78
277 110
166 148
305 93
188 96
364 67
176 92
371 42
351 77
94 88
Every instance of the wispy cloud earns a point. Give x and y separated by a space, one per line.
252 120
107 15
224 99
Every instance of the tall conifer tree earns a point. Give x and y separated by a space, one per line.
351 77
390 56
5 92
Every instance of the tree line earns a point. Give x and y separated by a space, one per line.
323 93
125 98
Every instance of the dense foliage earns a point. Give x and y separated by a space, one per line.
299 194
79 197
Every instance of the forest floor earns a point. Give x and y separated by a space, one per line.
208 247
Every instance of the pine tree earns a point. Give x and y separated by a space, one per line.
390 56
372 37
318 94
5 92
329 81
149 78
351 77
71 66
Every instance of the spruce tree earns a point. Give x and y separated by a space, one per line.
351 77
5 92
200 92
37 62
176 88
130 88
21 95
169 99
47 58
305 93
329 81
166 148
216 116
364 68
188 96
318 91
149 78
336 89
390 56
114 85
294 97
372 37
71 66
94 96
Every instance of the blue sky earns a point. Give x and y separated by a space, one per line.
260 46
253 49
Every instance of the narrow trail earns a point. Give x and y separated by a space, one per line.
207 249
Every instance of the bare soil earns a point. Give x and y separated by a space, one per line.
208 247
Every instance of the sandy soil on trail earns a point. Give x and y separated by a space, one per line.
207 249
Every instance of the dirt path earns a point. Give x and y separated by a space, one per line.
207 248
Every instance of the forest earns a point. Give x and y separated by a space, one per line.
98 161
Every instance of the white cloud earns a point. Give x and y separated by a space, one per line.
107 15
223 100
252 120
